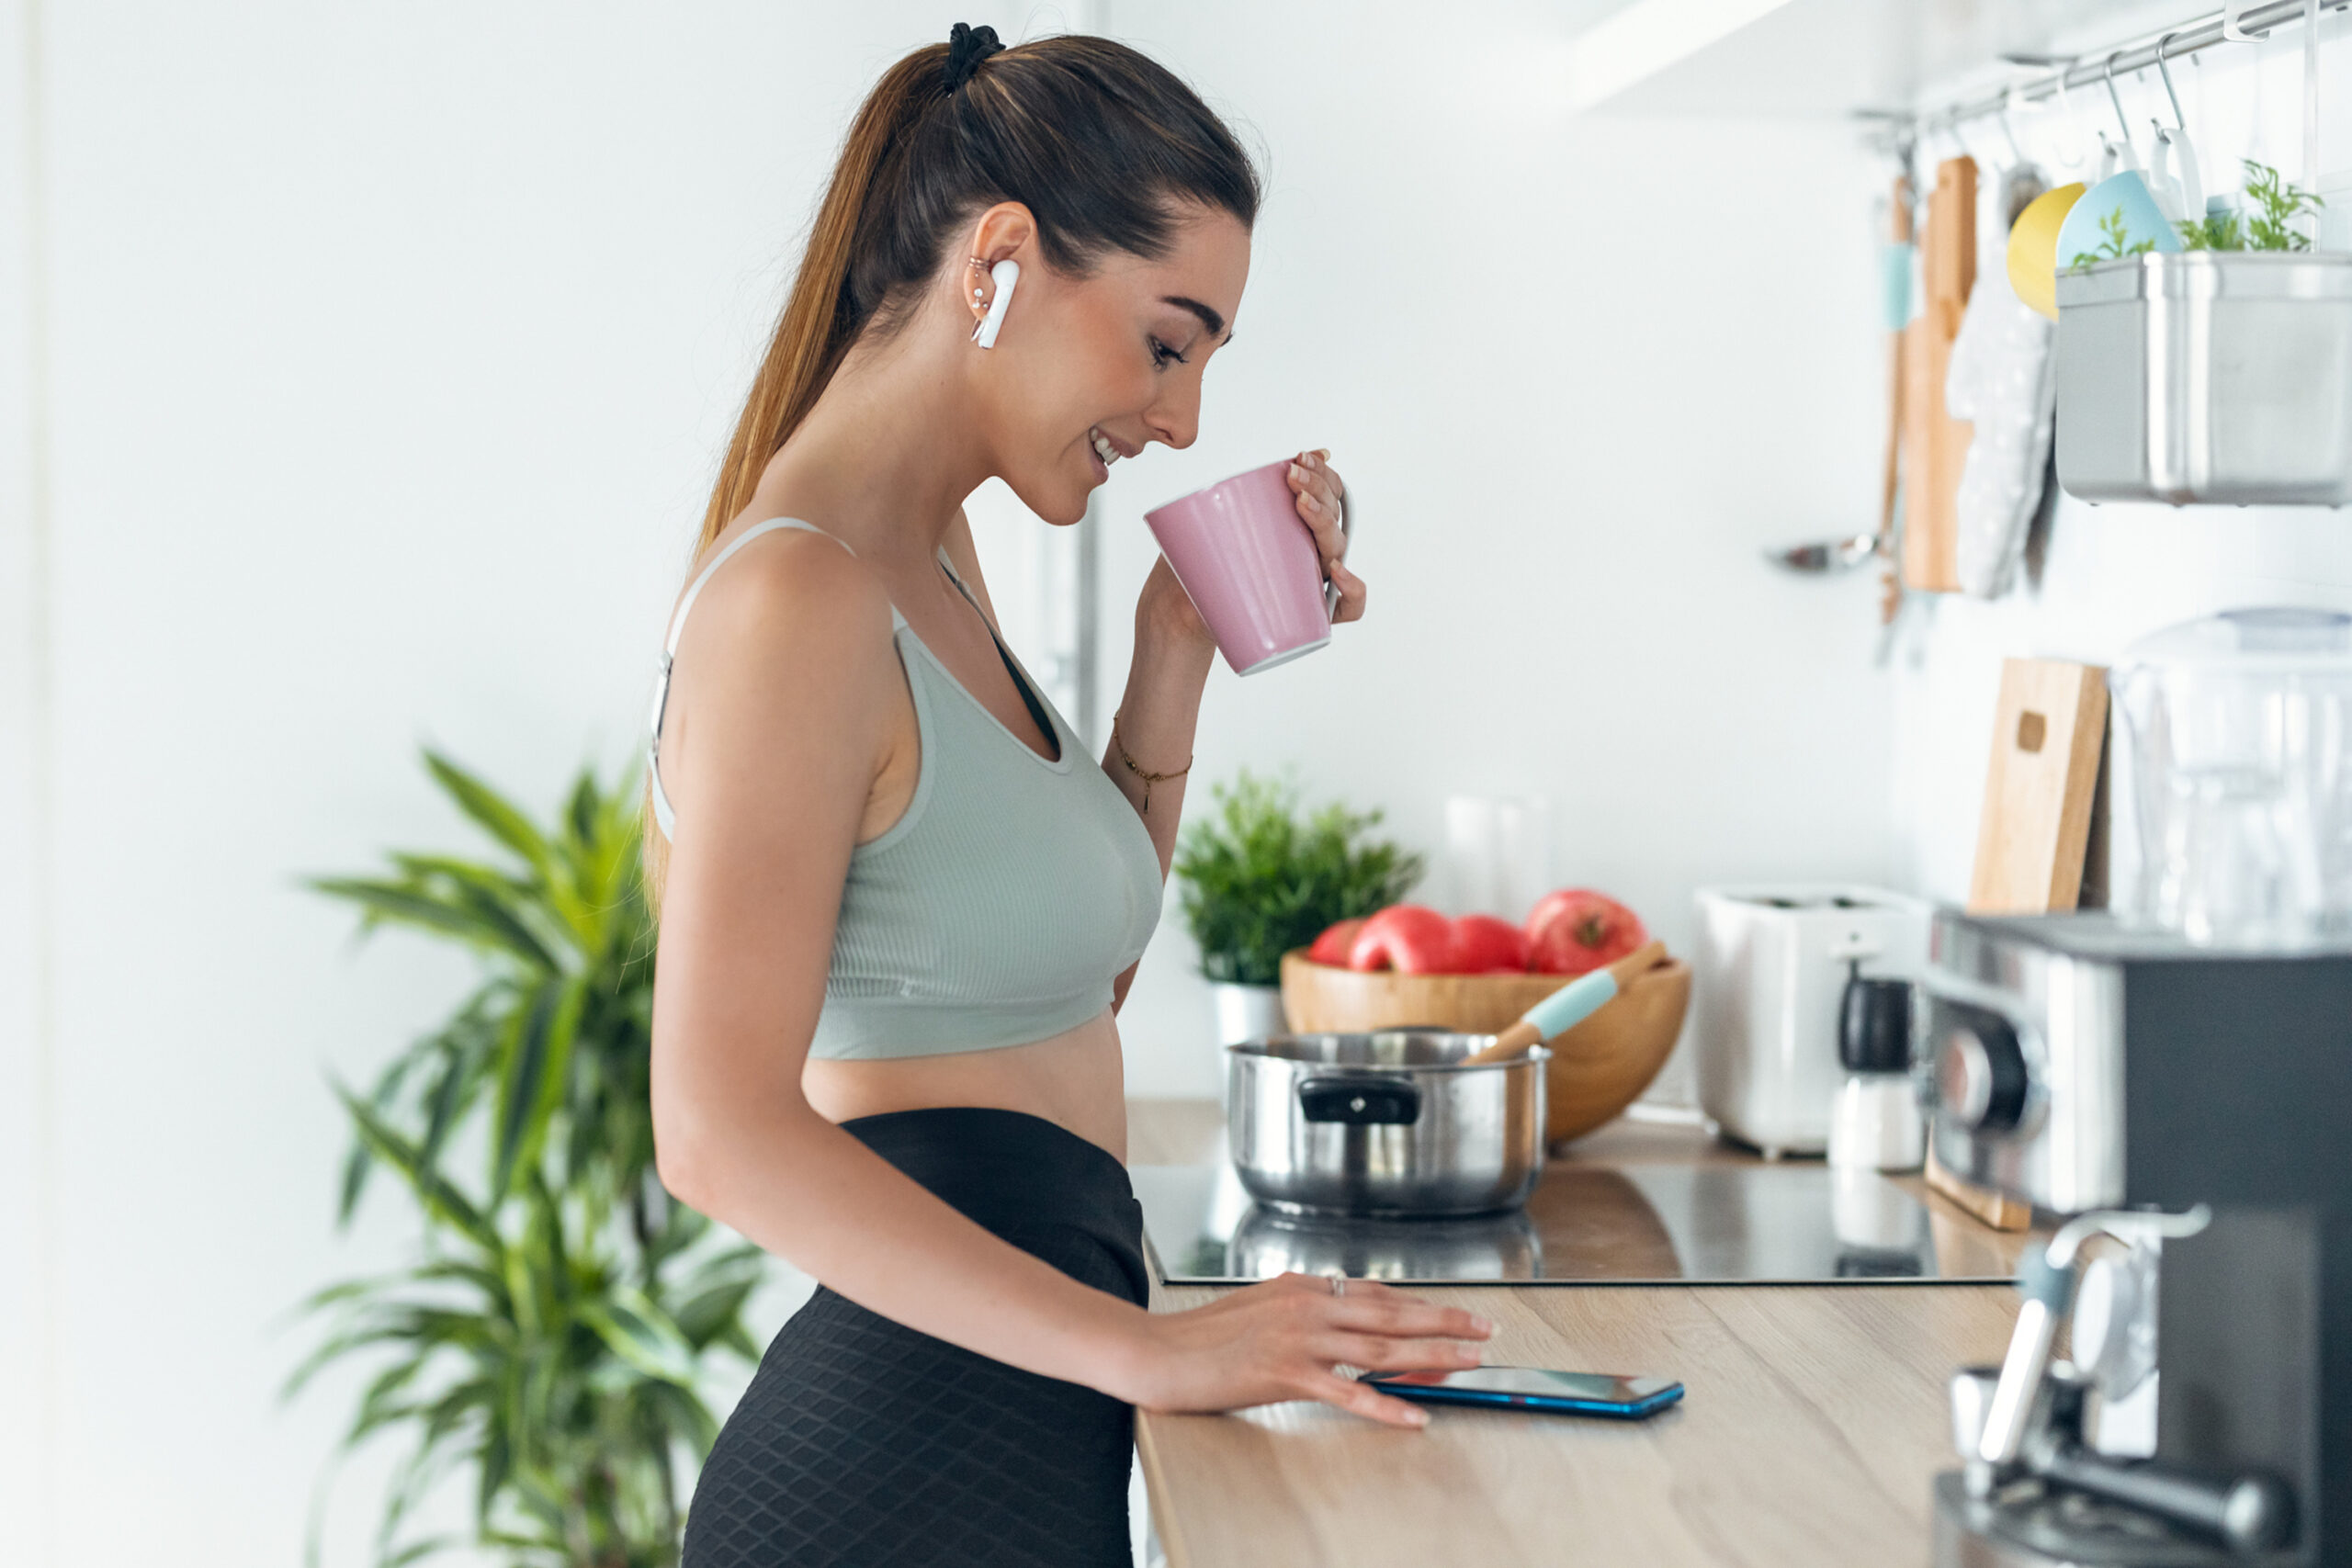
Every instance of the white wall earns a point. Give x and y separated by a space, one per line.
25 1239
1573 404
393 343
391 346
2116 572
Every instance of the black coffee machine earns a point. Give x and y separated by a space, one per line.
2188 1113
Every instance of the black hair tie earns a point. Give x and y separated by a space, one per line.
967 46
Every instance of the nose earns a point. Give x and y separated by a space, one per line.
1175 417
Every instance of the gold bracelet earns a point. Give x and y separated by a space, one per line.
1148 779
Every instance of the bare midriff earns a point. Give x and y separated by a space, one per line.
1076 1080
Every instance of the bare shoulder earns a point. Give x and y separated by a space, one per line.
787 700
792 598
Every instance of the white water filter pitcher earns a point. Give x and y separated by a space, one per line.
2234 816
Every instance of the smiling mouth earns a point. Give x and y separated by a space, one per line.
1105 449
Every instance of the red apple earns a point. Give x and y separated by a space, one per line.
1332 946
1576 930
1407 938
1483 945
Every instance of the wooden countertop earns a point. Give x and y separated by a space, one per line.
1814 1421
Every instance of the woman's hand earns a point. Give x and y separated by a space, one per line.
1319 491
1280 1340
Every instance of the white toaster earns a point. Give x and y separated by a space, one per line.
1770 971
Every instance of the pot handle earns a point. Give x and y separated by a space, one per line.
1361 1102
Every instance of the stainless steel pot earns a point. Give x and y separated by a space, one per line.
1390 1123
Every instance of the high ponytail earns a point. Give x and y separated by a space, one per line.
1097 140
818 325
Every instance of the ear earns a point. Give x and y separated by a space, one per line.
1007 231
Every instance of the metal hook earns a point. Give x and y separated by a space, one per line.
2009 134
2123 122
2179 120
2073 156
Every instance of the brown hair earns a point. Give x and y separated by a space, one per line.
1097 140
1102 143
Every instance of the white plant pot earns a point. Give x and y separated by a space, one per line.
1247 1013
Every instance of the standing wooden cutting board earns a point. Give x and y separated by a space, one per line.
2048 734
1935 445
2041 793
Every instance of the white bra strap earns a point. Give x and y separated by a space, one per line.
694 590
661 811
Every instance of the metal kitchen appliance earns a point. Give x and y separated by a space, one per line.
2205 376
1392 1122
2192 1107
1771 969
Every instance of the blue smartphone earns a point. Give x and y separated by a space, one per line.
1534 1388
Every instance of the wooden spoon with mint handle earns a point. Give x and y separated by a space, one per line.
1569 1006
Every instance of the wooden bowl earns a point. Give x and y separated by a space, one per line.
1602 1065
1320 1000
1597 1068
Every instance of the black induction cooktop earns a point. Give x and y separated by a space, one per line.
1792 1223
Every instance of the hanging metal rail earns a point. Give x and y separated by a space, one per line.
2093 70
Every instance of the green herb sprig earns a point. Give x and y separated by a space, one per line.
2274 228
1261 879
2113 248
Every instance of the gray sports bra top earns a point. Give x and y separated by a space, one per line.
1000 907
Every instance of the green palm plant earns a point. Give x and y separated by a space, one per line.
553 1334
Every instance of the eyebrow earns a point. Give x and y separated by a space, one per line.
1209 318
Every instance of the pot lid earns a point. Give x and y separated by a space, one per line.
2266 640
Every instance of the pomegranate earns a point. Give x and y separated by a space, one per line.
1332 946
1484 946
1408 937
1577 930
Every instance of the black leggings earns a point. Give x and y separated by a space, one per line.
862 1442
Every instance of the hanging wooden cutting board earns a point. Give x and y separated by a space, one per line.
2048 734
1934 445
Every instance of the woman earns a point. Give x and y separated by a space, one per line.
900 909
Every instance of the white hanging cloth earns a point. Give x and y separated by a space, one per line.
2004 381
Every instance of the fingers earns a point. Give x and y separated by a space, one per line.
1362 1399
1405 1316
1380 1353
1318 492
1370 1306
1352 593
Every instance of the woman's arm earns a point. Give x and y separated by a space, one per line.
788 684
1160 712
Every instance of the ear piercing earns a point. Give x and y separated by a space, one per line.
1005 275
979 295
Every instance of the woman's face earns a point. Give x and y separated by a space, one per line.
1100 367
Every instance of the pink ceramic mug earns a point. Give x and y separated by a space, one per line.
1247 558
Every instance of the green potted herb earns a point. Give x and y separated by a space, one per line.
1260 878
2191 374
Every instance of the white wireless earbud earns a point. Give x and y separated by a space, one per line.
1004 275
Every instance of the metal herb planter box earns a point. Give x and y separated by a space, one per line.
2205 376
